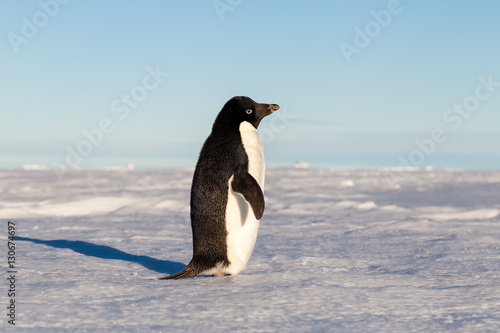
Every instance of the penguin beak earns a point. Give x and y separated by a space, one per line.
273 107
262 111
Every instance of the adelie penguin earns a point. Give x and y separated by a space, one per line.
227 199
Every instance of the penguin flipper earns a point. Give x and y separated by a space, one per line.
247 186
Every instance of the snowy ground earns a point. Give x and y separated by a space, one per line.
338 250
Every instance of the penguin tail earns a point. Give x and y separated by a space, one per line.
187 272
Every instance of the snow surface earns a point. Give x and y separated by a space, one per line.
338 250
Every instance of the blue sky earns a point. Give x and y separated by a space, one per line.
65 67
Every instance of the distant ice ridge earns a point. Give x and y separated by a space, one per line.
301 165
119 168
478 214
113 167
34 167
407 168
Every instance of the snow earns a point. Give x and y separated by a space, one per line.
480 214
338 250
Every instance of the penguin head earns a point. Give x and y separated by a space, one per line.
241 108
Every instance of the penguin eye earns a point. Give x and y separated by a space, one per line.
249 111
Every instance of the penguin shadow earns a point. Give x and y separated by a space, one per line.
108 252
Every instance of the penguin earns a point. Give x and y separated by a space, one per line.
227 199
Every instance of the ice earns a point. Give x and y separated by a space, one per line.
347 183
479 214
90 206
367 205
301 165
400 250
34 167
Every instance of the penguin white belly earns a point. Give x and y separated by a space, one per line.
241 224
